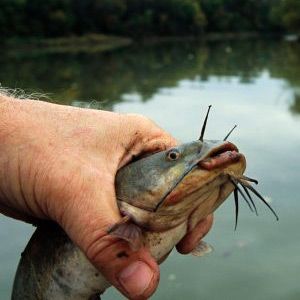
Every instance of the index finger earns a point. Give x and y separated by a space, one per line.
191 240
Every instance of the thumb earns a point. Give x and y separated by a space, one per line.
133 273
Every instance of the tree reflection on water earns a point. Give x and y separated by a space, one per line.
145 69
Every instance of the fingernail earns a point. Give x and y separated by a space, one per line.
136 278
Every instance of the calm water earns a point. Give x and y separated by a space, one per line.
255 84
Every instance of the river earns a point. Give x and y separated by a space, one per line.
252 83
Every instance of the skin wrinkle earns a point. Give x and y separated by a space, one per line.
11 198
4 195
111 252
21 190
112 273
95 249
92 223
138 143
62 188
67 161
118 137
127 147
37 189
152 145
41 176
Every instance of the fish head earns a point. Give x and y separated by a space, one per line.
165 189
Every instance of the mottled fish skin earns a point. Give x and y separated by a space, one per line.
52 267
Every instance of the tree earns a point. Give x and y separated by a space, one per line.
12 17
286 13
49 18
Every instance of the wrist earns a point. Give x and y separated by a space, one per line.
14 127
8 117
5 98
4 108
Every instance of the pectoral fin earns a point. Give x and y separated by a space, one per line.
202 249
129 232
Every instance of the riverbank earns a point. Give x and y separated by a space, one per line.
73 44
212 36
100 43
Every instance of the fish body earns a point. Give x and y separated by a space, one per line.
164 195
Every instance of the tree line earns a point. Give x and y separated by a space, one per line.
136 18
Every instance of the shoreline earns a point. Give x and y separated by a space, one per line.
72 44
90 43
212 36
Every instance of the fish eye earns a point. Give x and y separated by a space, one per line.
173 154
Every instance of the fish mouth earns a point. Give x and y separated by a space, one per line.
211 168
227 146
220 157
211 157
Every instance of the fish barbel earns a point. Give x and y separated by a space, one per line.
161 197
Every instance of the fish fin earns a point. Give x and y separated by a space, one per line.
202 249
129 232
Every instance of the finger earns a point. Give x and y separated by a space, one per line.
192 238
134 273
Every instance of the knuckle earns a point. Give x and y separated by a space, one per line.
96 244
139 120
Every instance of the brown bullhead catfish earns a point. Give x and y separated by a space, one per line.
160 197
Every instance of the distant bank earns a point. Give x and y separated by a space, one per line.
71 44
101 43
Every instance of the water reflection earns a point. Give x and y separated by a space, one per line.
295 107
250 83
145 70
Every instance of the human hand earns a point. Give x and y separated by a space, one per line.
59 163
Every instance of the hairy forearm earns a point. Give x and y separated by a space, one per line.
8 126
59 163
3 97
6 120
11 120
15 129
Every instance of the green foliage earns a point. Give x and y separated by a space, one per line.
54 18
128 17
135 17
49 18
12 17
35 17
286 13
238 15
